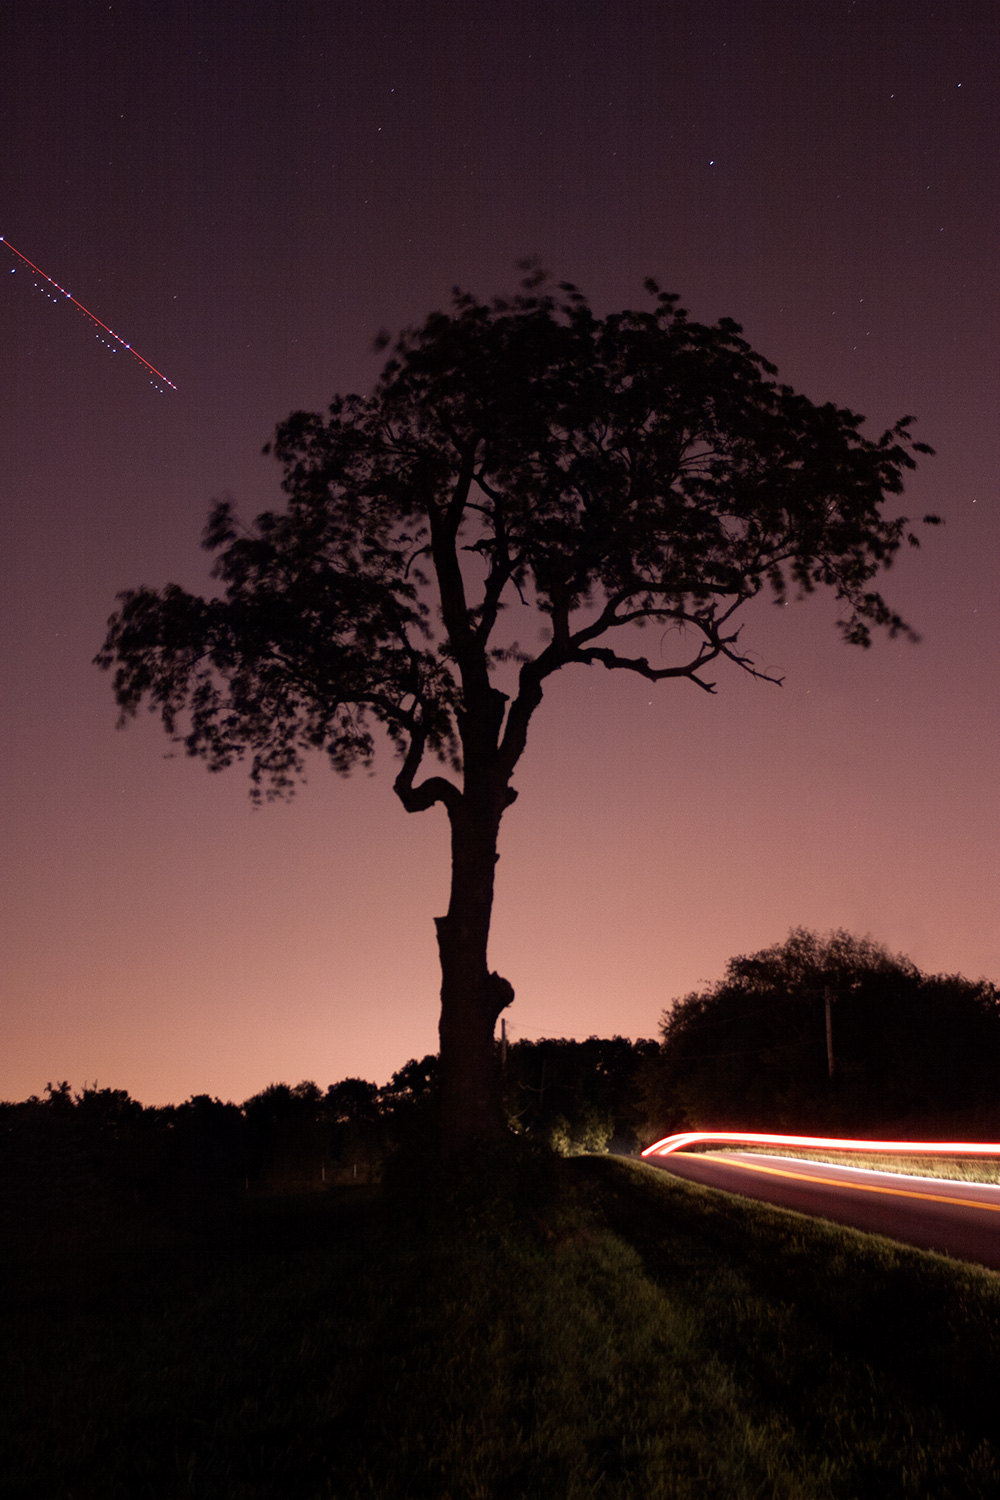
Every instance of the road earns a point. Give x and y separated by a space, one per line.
961 1219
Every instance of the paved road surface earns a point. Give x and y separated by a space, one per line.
958 1218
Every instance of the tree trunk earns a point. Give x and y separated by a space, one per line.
471 997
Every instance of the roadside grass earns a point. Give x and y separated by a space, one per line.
883 1360
953 1168
621 1334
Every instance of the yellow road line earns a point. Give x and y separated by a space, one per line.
866 1187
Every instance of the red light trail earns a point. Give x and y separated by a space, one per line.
87 313
671 1143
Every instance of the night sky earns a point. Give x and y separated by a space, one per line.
247 192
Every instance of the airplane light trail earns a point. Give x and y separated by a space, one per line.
86 311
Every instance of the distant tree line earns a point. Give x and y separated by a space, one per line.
580 1096
912 1051
101 1150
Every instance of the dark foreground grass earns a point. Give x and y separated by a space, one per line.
623 1335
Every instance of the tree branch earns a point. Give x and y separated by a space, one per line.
498 577
714 646
612 660
434 789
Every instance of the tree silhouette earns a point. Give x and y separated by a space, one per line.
591 1091
750 1052
600 473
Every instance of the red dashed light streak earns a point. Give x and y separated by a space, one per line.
671 1143
87 313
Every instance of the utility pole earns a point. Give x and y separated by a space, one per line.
828 997
503 1043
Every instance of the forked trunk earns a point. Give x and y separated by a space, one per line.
471 997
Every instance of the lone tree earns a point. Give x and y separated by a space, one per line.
602 473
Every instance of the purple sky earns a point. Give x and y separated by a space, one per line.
247 193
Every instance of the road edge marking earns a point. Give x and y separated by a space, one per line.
866 1187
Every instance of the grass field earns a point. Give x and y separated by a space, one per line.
617 1333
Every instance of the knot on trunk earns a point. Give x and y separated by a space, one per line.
498 993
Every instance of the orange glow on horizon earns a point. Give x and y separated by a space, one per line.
669 1143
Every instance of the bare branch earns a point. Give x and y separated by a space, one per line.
612 661
434 789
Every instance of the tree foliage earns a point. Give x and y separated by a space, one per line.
641 467
751 1050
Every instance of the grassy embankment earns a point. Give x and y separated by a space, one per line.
620 1334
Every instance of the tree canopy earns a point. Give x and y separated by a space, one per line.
750 1052
523 456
